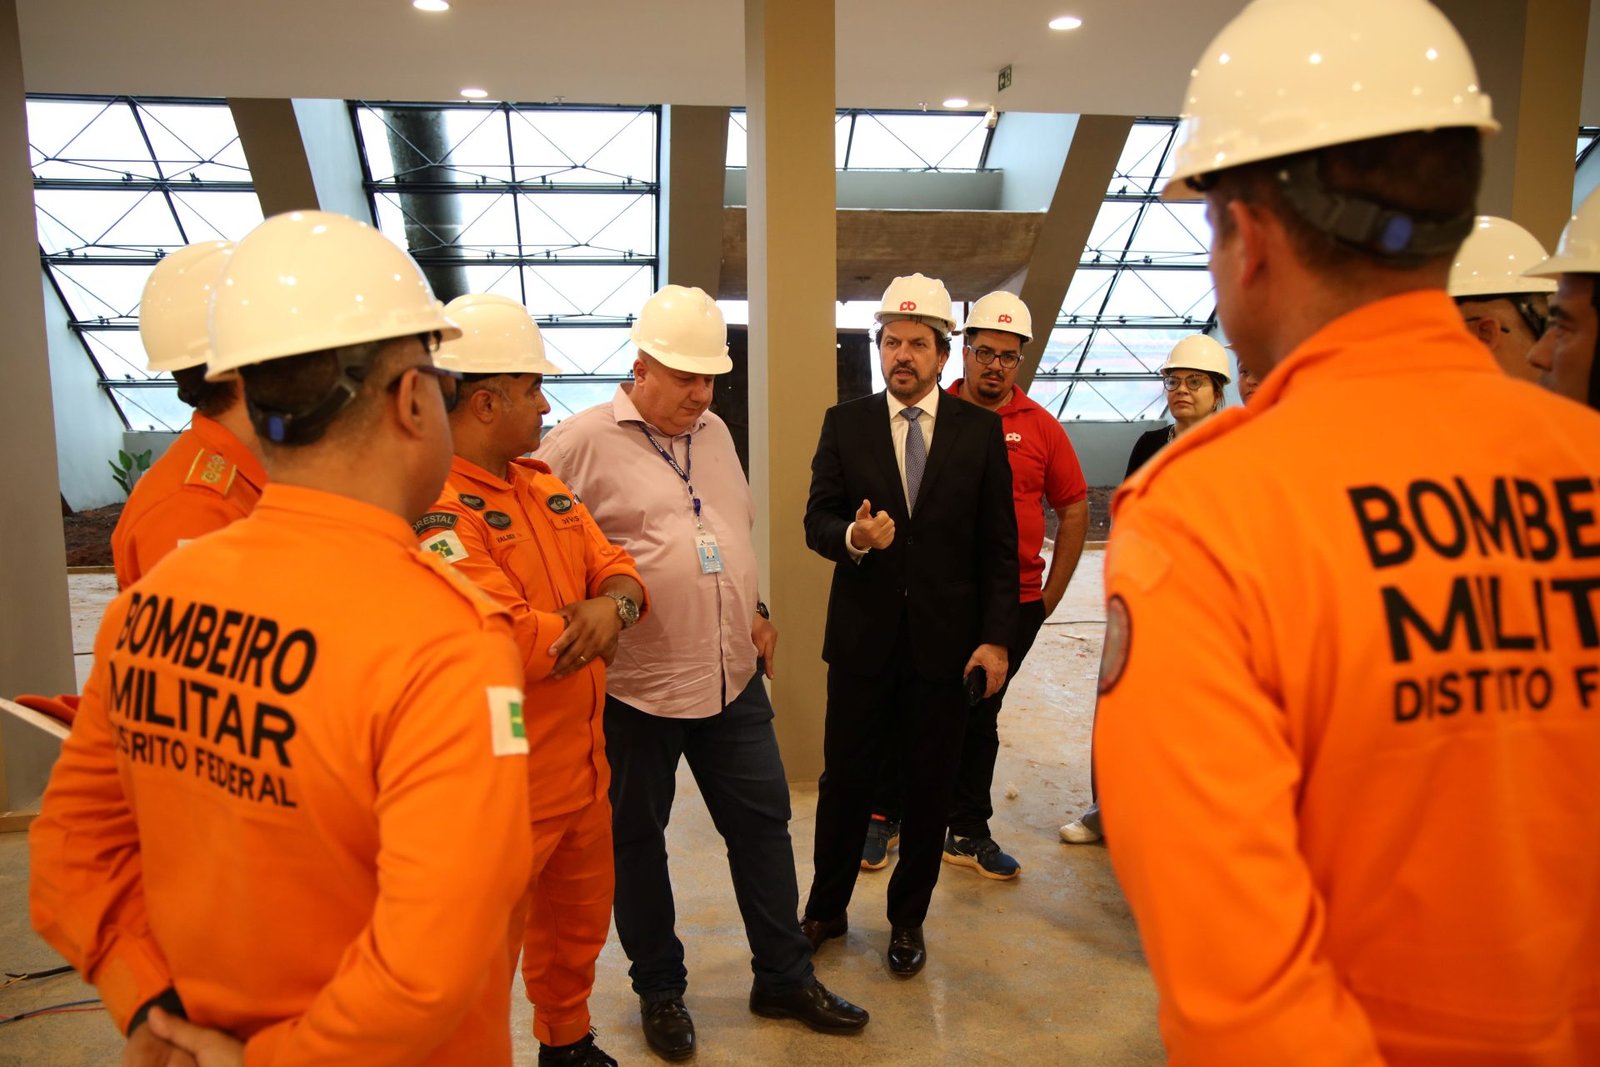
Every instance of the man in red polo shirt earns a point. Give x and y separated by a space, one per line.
1044 472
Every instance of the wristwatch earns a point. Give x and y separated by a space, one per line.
761 609
627 608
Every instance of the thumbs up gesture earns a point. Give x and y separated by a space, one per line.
871 531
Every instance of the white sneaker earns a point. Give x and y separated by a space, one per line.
1076 833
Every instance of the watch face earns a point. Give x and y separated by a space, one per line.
627 610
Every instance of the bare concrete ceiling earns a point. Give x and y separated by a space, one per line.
977 252
1130 56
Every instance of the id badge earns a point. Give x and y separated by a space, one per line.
705 547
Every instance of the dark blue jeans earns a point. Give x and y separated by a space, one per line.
734 758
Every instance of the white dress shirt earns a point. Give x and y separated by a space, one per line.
899 428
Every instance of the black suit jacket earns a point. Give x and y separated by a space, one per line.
953 565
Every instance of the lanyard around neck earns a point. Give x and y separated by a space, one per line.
683 472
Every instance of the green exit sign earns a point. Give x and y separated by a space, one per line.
1005 77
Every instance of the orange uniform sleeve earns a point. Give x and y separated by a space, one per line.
454 859
605 560
533 630
186 516
86 894
1198 784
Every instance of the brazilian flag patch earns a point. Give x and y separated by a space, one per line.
508 729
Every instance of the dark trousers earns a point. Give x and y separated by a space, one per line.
971 807
871 717
734 758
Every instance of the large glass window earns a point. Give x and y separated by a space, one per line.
1140 287
555 207
118 183
890 140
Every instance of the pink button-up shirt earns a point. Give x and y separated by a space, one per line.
693 653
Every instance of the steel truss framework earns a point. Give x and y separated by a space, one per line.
555 206
1141 285
866 139
119 182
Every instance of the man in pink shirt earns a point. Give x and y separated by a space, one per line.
659 473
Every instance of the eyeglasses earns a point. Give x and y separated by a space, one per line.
449 382
1192 382
987 355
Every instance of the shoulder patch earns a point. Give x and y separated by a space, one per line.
476 503
435 520
507 728
211 470
1119 638
447 546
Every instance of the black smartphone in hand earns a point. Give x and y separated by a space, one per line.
977 682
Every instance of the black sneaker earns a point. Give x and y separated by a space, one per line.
982 855
584 1053
882 835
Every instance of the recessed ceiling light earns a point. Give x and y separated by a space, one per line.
1066 22
431 5
474 94
956 101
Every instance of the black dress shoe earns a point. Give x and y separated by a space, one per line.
812 1005
668 1028
583 1053
819 930
907 953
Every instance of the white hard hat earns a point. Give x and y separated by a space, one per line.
683 328
1579 249
176 302
1494 260
1289 76
1198 352
498 336
919 299
1001 311
307 281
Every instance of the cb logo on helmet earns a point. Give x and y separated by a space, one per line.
1004 318
908 305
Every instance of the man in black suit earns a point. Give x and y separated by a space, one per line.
924 594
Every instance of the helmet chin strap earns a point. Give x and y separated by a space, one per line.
1386 233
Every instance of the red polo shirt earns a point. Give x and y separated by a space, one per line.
1043 466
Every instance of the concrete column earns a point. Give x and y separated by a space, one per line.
302 154
1091 159
789 75
1529 55
1548 115
35 624
694 153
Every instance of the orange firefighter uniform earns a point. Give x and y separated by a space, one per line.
296 792
533 547
1349 732
205 480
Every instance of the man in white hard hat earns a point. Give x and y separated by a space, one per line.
520 534
294 801
1044 473
1349 716
1504 307
660 475
911 501
212 474
1566 356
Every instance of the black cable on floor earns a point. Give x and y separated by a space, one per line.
71 1005
51 973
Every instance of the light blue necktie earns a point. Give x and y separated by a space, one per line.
916 455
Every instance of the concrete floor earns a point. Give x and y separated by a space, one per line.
1044 969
